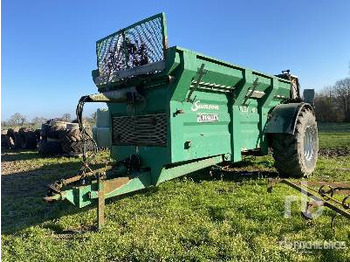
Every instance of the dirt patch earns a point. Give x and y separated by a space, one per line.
29 175
334 152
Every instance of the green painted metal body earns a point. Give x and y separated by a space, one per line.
223 92
214 111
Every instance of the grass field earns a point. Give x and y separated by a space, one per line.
196 218
335 135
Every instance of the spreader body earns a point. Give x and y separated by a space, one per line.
174 111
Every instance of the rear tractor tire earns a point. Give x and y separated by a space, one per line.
296 155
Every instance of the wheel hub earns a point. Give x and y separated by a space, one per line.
309 141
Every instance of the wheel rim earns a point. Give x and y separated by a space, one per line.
309 142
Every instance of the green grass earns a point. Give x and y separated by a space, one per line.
334 135
325 127
196 217
334 140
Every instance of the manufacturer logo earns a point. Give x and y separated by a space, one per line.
197 105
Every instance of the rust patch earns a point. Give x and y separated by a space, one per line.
115 183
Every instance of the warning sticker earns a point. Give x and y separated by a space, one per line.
205 117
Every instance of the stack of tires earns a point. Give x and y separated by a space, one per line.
50 143
4 140
64 138
28 138
101 132
23 138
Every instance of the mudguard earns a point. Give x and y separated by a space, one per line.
283 118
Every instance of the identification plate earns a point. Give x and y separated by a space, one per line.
204 118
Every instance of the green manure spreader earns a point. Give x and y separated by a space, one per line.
174 111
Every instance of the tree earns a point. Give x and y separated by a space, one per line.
39 120
66 117
4 124
17 119
325 107
341 92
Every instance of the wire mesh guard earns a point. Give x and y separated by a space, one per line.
146 130
135 46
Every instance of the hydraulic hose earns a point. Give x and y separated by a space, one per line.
79 113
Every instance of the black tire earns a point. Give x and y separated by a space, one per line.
28 138
76 148
20 138
86 125
15 139
296 155
56 129
10 138
52 129
72 135
72 143
47 148
44 130
4 142
38 134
